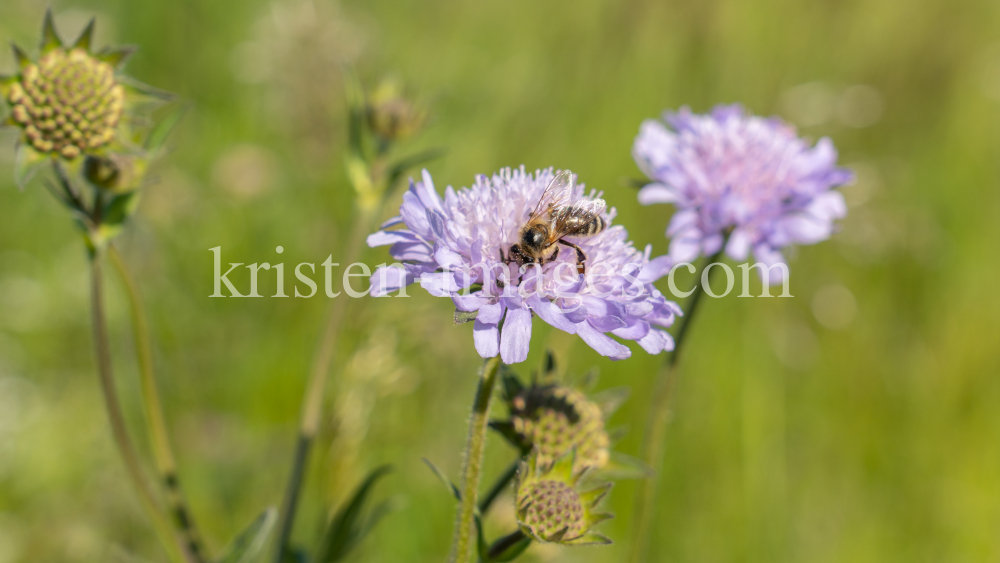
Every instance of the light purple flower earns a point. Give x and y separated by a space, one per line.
453 246
730 170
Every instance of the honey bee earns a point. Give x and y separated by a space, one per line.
553 219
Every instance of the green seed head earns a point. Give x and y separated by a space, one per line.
554 419
550 506
68 103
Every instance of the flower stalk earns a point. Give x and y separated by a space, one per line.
312 401
474 452
656 426
176 552
163 454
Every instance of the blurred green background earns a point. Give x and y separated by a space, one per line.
856 422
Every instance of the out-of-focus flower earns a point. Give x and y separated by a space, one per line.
730 171
456 246
551 508
391 115
71 102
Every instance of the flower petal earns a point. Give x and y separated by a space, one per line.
600 342
387 279
486 338
515 339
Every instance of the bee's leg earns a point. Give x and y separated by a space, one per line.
581 256
552 258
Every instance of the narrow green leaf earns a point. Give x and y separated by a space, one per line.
116 56
50 37
550 362
247 546
507 548
27 162
87 36
621 466
6 81
397 170
589 379
592 538
444 479
161 131
22 58
512 385
346 528
506 429
138 93
610 400
120 208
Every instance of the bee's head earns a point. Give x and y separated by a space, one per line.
534 237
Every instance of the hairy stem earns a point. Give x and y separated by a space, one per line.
163 454
474 450
656 428
116 418
312 401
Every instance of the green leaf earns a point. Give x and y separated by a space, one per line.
610 400
144 96
462 317
397 170
87 36
550 362
6 82
157 137
347 528
27 163
120 208
512 385
20 56
247 546
444 479
588 380
621 466
506 429
507 548
117 56
592 538
50 38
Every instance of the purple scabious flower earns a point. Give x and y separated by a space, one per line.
728 170
455 247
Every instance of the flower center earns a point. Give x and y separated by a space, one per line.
68 103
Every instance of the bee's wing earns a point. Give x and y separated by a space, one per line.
557 194
569 220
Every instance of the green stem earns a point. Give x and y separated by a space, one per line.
474 451
116 418
312 401
656 427
163 453
498 487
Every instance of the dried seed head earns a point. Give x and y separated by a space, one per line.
68 103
